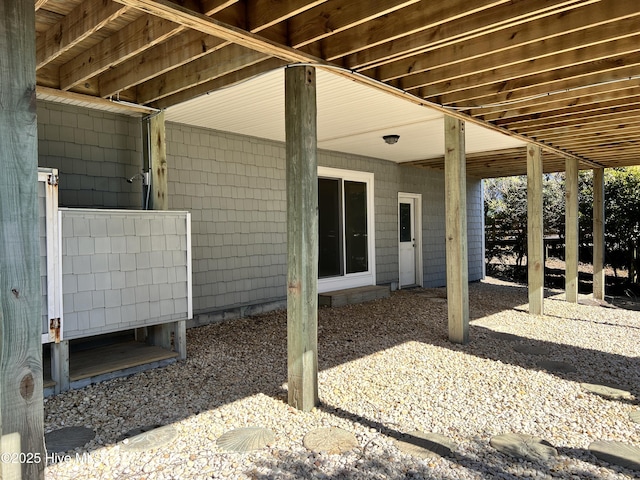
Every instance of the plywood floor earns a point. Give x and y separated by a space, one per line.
110 358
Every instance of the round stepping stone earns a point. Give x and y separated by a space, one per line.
531 349
68 438
531 448
635 416
150 439
617 453
607 392
247 439
331 440
425 445
555 366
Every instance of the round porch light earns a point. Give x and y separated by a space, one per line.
391 139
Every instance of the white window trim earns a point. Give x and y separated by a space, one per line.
361 279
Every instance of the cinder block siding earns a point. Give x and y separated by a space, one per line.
94 152
235 188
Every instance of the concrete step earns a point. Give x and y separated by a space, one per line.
349 296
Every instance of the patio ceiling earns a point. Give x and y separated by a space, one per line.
561 73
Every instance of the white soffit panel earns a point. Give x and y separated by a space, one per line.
352 118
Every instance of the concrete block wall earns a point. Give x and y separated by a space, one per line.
123 270
94 152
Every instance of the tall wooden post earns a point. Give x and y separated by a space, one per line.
157 145
535 230
21 403
598 234
167 335
302 236
571 230
455 189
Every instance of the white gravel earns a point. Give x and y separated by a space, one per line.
386 367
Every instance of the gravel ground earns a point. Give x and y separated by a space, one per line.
386 367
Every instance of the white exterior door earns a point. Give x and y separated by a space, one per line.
409 228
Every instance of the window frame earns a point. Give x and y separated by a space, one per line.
360 279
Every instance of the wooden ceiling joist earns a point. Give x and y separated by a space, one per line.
559 73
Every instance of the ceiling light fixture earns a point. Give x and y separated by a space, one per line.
391 139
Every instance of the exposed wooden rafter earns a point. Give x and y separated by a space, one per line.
558 73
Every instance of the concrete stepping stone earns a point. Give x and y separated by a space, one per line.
607 392
556 366
68 438
530 349
247 439
425 445
617 453
520 445
331 440
635 416
149 439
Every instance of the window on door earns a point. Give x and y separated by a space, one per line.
345 213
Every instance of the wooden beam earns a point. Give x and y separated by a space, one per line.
332 17
585 96
302 236
455 188
614 114
467 20
261 14
165 57
571 231
202 23
521 45
183 48
483 73
90 101
598 234
137 36
546 83
535 231
87 18
40 4
21 402
224 81
215 65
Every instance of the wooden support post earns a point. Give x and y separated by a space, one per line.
21 395
302 236
571 230
455 188
170 336
60 365
598 234
535 230
158 197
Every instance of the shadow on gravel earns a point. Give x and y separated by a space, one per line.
373 465
245 357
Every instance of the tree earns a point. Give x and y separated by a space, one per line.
506 214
